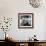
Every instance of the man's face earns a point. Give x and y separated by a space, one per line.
25 20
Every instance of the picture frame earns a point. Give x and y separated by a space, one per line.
25 20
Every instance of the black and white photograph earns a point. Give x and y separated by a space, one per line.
25 20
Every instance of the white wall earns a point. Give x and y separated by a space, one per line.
11 8
45 29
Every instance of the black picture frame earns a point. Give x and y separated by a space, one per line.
25 20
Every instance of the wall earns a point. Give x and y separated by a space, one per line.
45 29
11 8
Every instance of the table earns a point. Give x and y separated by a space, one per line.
27 42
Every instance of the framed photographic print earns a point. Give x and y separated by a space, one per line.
25 20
